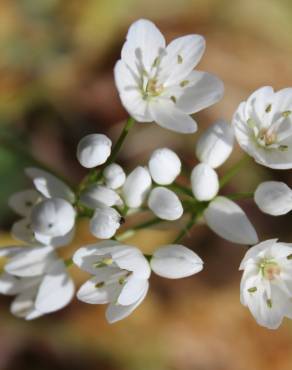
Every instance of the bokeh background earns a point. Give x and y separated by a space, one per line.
56 85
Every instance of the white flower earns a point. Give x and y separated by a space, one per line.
53 217
263 127
165 204
229 221
120 278
98 195
164 166
175 262
114 176
93 150
215 144
105 222
157 82
38 279
136 187
205 182
274 198
266 284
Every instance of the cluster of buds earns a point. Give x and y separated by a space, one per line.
156 83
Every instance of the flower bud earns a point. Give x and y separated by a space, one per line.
165 204
164 166
99 195
215 144
93 150
136 187
229 221
175 262
114 176
205 183
53 217
105 222
274 198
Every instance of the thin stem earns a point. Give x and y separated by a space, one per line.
237 196
233 171
144 225
181 188
187 228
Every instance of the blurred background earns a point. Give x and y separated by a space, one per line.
56 85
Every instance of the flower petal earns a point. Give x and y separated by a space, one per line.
23 201
165 204
229 221
175 262
117 312
167 114
49 185
105 222
114 176
99 195
216 144
132 291
274 198
56 289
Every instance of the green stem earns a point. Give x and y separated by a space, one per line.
182 189
144 225
187 228
233 171
237 196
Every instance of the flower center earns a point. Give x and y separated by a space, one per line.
270 269
266 137
152 89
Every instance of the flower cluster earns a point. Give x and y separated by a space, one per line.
156 83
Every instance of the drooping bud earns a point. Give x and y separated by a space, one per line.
93 150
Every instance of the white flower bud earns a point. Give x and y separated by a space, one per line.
136 187
93 150
228 220
164 166
105 222
53 217
205 183
114 176
175 262
165 204
98 195
274 198
215 144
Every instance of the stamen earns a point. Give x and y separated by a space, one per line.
179 59
252 290
269 303
269 108
184 83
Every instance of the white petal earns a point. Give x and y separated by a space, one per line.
105 222
22 202
274 198
132 291
9 284
116 312
23 306
144 43
175 262
56 289
99 195
114 176
216 144
31 261
164 166
136 187
182 56
53 217
202 91
229 221
167 114
205 182
22 231
165 204
254 251
55 241
49 185
93 150
96 291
